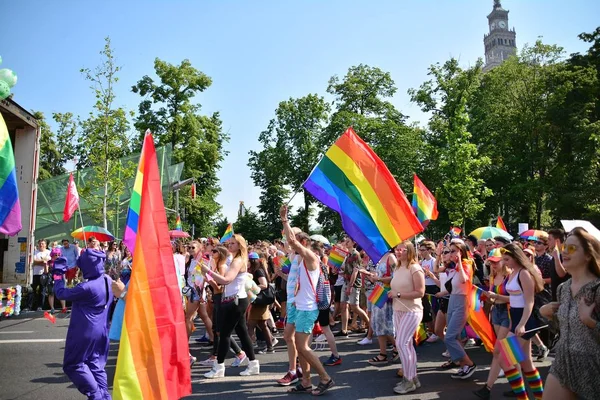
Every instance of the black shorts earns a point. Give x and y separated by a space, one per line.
443 302
323 318
338 294
515 317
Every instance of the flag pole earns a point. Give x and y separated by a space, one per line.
82 230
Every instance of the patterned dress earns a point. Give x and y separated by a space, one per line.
577 362
382 319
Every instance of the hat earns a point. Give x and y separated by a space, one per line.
528 251
495 255
253 256
55 252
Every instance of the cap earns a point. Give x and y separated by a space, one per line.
55 252
495 255
253 256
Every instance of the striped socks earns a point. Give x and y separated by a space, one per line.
516 383
535 383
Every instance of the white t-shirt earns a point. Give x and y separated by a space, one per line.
40 256
428 265
306 299
179 260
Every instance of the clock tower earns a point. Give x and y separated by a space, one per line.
500 42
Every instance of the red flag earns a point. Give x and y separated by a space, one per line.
71 201
193 191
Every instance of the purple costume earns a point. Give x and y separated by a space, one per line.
86 348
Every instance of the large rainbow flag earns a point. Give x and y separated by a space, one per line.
10 208
131 225
423 202
228 233
153 360
353 181
478 320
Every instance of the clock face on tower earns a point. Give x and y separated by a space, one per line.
502 24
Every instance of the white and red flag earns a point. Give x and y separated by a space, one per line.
71 201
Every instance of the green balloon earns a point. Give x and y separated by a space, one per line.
4 90
8 76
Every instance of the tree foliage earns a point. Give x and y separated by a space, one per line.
51 163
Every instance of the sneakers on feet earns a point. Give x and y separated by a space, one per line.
280 325
483 393
332 360
365 341
209 362
288 379
405 386
465 372
274 342
501 374
192 361
543 353
341 334
63 311
417 382
266 350
432 339
446 354
239 359
217 371
321 338
252 369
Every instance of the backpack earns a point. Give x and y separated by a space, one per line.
323 290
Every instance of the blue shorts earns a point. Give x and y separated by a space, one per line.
500 315
303 320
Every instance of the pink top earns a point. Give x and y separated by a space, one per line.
402 282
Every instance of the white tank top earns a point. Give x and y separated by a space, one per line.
306 299
515 292
237 285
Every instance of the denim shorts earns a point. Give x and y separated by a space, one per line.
303 320
500 315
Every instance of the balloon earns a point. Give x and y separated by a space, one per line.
8 76
4 90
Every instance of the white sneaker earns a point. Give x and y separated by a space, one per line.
209 362
470 342
417 382
217 371
446 354
433 338
501 374
239 360
405 386
252 369
321 338
365 341
274 342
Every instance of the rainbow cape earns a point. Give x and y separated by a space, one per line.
353 181
500 224
336 258
379 296
228 233
10 208
423 202
133 214
178 224
478 320
511 351
153 360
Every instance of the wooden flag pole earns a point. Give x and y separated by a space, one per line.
82 230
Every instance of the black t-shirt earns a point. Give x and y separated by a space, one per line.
259 273
556 280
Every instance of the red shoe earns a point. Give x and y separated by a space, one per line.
288 379
63 311
279 325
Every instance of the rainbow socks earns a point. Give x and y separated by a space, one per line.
516 383
535 383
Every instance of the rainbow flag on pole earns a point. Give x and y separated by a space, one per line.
423 202
379 296
353 181
336 258
420 334
228 233
153 360
10 208
476 298
178 226
284 263
478 320
133 214
500 224
511 351
455 232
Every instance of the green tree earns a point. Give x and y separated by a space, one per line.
51 162
249 226
458 164
67 138
221 225
169 112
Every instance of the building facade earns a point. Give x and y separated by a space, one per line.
500 43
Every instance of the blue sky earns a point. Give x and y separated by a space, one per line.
258 53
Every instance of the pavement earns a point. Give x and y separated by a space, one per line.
31 353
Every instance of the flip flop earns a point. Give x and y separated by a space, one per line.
300 389
322 387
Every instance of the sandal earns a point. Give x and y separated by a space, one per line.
395 356
323 387
380 359
299 389
449 365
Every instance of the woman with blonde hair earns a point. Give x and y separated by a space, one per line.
407 289
234 305
575 370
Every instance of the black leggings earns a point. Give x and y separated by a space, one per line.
37 299
216 318
233 317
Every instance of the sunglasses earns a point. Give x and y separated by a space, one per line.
215 251
504 251
446 252
570 249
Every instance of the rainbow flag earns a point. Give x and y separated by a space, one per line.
133 214
478 320
379 296
153 360
476 298
178 224
500 224
420 334
10 208
336 258
423 202
455 232
353 181
228 233
511 351
284 263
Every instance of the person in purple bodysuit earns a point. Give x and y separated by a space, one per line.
86 347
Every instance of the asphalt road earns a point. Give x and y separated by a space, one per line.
31 352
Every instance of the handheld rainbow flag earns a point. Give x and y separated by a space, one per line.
476 298
284 263
133 214
477 319
420 334
353 181
178 226
336 258
153 360
10 208
379 296
511 351
228 233
455 232
500 224
423 202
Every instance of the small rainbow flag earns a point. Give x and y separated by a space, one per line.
510 350
379 296
178 224
284 263
455 232
336 258
500 224
476 298
10 208
423 202
228 233
420 334
133 214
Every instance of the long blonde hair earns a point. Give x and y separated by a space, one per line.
411 253
517 254
242 251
